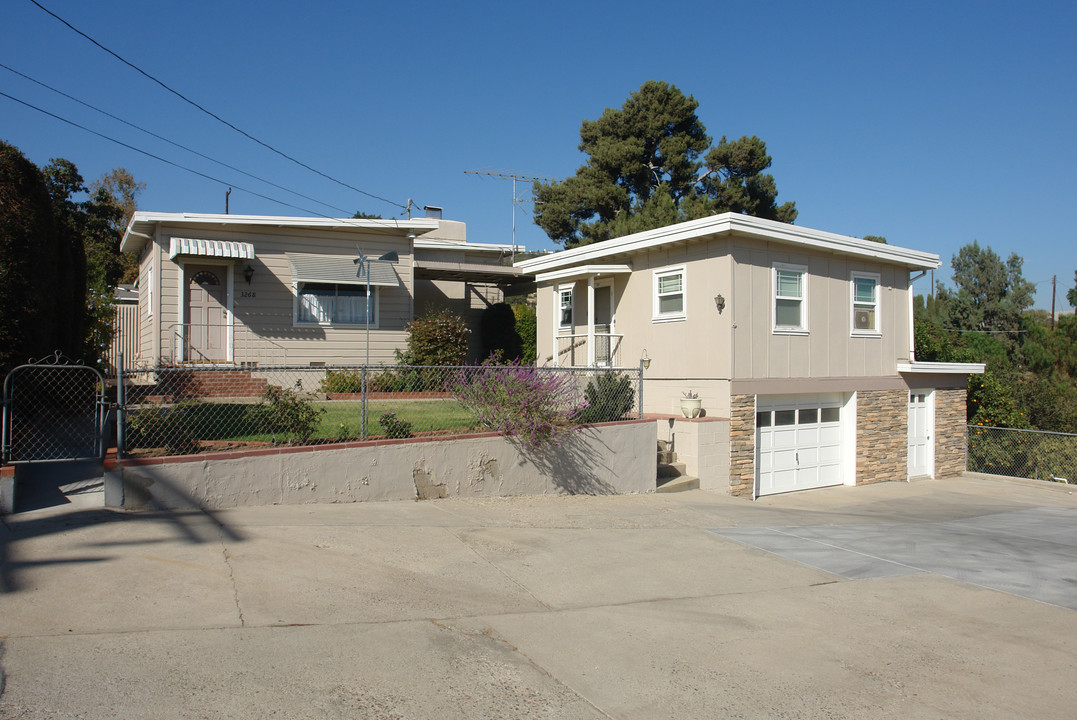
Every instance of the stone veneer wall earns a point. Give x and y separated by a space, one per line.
742 445
951 432
882 436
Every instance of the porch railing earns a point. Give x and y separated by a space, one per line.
572 350
185 345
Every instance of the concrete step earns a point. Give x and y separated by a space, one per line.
670 470
667 457
679 484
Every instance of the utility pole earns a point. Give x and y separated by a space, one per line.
515 199
1054 280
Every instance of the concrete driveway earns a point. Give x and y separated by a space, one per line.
936 599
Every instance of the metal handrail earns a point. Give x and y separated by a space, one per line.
244 342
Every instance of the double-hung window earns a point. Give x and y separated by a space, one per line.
564 304
669 293
790 284
335 304
865 303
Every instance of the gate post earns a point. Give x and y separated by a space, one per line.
114 475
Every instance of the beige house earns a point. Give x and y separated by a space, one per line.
260 290
799 343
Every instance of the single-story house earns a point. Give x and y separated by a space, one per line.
799 343
260 290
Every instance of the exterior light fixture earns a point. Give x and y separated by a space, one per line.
719 302
248 273
644 361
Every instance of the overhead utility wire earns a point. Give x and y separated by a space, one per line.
214 115
164 160
171 142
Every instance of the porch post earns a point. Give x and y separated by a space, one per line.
590 320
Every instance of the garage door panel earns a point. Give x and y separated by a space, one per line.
802 447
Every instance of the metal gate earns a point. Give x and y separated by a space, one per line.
53 410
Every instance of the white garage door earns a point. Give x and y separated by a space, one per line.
798 442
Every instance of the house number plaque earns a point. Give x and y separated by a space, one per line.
248 294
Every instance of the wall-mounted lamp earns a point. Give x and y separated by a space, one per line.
719 302
248 273
644 360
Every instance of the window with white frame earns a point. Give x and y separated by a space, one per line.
669 287
564 304
333 304
864 292
790 286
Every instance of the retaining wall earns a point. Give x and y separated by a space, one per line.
607 459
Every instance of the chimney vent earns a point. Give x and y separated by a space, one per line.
432 211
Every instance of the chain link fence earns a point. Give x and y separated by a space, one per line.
1035 454
187 410
52 411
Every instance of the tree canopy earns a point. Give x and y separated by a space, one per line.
651 163
991 294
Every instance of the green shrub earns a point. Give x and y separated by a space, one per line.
527 330
342 381
287 414
395 427
610 396
159 427
439 337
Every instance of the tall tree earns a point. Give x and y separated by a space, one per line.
990 294
1072 294
42 269
115 195
650 163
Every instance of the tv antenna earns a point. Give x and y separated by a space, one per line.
515 197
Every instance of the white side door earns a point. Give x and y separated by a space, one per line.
921 426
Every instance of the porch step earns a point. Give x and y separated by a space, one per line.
176 385
680 484
671 475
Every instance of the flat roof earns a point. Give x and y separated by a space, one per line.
728 223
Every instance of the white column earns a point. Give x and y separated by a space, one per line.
590 320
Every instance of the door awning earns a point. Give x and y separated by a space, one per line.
339 270
210 248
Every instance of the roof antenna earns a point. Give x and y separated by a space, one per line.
226 194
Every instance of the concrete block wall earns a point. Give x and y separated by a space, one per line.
702 444
742 445
951 432
598 460
882 436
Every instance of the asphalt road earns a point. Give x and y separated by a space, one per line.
936 599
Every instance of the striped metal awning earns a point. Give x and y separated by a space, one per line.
210 248
339 270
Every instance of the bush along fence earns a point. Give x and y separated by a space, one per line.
1035 454
189 410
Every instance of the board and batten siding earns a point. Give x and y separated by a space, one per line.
828 348
267 306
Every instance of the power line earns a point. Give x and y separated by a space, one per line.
161 159
214 115
170 142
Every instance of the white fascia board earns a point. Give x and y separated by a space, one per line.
581 271
770 230
143 224
462 246
942 368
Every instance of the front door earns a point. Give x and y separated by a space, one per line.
604 343
206 332
921 451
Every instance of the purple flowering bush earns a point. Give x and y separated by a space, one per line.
533 405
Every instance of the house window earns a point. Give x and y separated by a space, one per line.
790 298
669 294
865 303
332 304
565 306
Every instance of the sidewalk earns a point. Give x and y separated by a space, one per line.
555 607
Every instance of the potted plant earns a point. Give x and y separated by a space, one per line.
690 404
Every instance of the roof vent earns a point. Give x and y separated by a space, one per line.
432 211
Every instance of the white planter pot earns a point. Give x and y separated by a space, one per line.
690 408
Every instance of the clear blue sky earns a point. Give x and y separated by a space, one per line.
933 124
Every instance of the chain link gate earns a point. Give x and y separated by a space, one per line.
53 410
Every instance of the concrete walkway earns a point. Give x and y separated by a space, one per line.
936 599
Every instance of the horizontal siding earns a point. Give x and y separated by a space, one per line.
266 306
